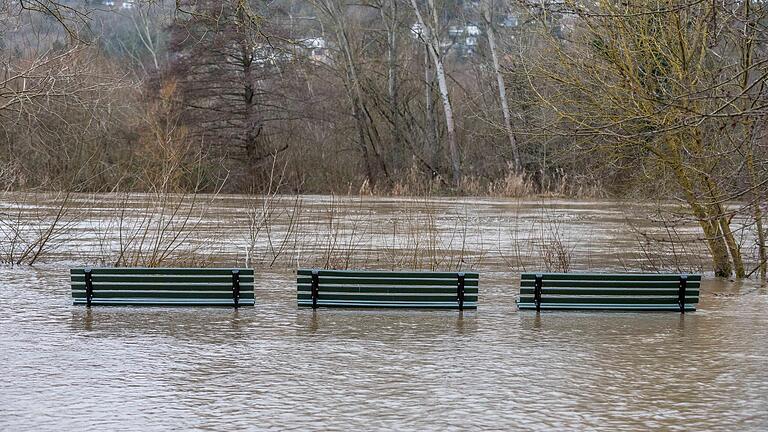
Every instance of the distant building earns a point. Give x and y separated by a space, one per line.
472 30
312 48
417 30
119 4
317 49
463 38
269 55
455 31
509 21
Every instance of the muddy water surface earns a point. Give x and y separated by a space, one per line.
277 367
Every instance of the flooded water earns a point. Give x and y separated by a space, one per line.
277 367
356 232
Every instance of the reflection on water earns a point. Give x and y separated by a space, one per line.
276 366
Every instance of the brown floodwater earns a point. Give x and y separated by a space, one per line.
275 366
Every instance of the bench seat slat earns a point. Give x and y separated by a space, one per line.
669 277
157 286
386 289
387 274
152 301
359 303
609 300
161 294
385 298
163 278
607 284
656 307
610 291
385 281
161 271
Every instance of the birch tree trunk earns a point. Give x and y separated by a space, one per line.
430 132
487 15
431 39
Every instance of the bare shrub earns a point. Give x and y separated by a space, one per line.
538 242
661 237
340 236
555 251
154 230
423 236
32 226
264 212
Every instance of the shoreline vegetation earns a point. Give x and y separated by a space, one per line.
647 102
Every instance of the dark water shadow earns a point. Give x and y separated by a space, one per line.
375 323
199 324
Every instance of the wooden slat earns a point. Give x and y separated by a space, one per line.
161 271
98 294
385 289
609 291
385 281
387 274
379 304
158 286
379 297
163 278
609 300
587 306
151 301
607 284
611 276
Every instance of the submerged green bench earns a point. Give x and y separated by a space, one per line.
407 289
162 286
658 292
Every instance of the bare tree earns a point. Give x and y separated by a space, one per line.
658 89
429 35
222 66
487 6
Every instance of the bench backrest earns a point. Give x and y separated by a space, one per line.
409 289
162 286
673 292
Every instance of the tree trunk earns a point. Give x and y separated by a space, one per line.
757 215
433 42
250 124
747 47
500 83
367 132
433 149
721 262
733 247
392 90
453 148
719 216
718 249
